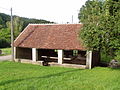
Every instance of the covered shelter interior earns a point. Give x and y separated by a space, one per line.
69 56
51 55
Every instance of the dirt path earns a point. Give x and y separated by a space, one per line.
2 58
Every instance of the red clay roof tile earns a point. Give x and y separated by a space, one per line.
56 36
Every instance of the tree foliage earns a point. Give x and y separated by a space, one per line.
19 23
101 25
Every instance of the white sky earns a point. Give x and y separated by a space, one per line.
59 11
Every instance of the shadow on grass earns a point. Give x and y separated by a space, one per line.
46 76
118 68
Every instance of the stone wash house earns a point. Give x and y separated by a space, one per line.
54 44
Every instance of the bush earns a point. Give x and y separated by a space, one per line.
117 53
105 57
4 43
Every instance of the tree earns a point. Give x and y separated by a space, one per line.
19 24
89 16
101 25
5 38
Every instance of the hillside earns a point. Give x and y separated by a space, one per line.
19 24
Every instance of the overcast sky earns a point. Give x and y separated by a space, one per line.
59 11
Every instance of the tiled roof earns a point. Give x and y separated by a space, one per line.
54 36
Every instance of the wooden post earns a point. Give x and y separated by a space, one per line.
12 36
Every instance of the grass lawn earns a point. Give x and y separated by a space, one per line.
17 76
5 51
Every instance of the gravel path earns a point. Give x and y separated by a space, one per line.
3 58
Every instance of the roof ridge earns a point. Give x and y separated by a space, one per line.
53 24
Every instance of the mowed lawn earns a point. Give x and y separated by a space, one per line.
18 76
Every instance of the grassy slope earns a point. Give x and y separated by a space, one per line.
17 76
5 51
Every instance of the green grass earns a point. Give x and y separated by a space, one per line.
5 51
17 76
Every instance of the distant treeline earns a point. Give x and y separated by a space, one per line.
19 24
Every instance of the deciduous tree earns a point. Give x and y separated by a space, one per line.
101 25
